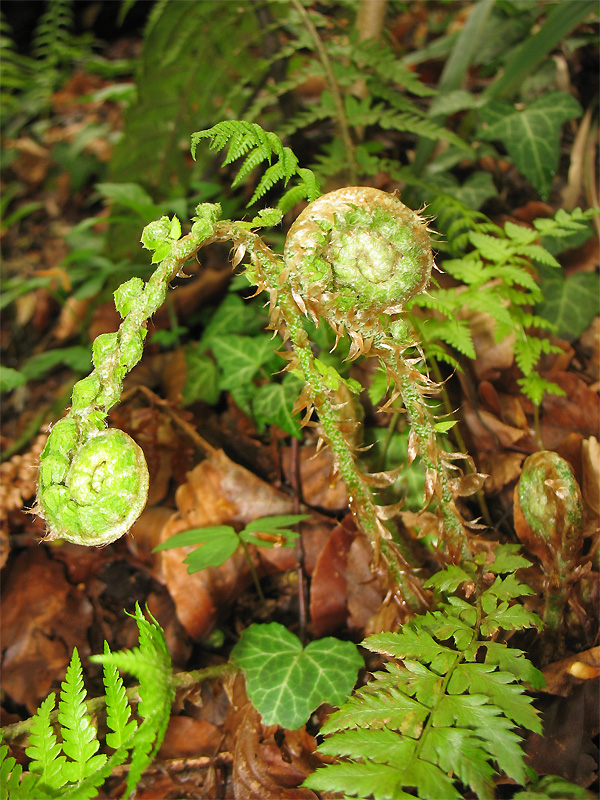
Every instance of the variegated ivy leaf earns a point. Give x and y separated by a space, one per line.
531 135
287 682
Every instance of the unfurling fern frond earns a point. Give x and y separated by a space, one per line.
446 712
73 769
243 138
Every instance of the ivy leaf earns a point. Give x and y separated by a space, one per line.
241 357
532 135
273 403
570 303
286 682
202 378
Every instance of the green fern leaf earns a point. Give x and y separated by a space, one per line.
44 750
260 145
118 711
378 705
14 786
79 735
360 779
151 664
458 712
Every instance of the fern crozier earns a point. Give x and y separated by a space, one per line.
359 250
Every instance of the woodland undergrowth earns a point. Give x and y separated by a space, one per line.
380 244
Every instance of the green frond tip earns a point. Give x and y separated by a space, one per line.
257 145
79 735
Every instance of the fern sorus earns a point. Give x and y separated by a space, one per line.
73 769
442 717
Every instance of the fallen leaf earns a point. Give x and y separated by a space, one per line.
218 492
43 618
590 457
501 469
187 737
269 763
328 589
489 432
365 593
315 476
577 411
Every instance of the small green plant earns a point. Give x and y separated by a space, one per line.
354 260
219 542
71 766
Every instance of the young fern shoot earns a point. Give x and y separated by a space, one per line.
353 259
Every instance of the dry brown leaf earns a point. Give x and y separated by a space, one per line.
315 476
590 456
567 747
328 589
501 468
187 737
365 592
489 432
218 492
590 342
561 676
71 318
43 618
577 411
492 356
268 762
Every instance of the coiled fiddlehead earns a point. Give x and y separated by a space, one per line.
355 257
355 253
93 481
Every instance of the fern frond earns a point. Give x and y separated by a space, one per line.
118 710
441 715
14 785
151 664
79 735
241 138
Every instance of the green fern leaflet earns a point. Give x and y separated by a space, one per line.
73 769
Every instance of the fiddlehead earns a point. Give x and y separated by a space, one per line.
93 481
355 257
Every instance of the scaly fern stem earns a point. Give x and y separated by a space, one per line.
456 542
362 504
267 272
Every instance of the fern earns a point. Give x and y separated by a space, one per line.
447 712
249 139
52 39
73 768
498 279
